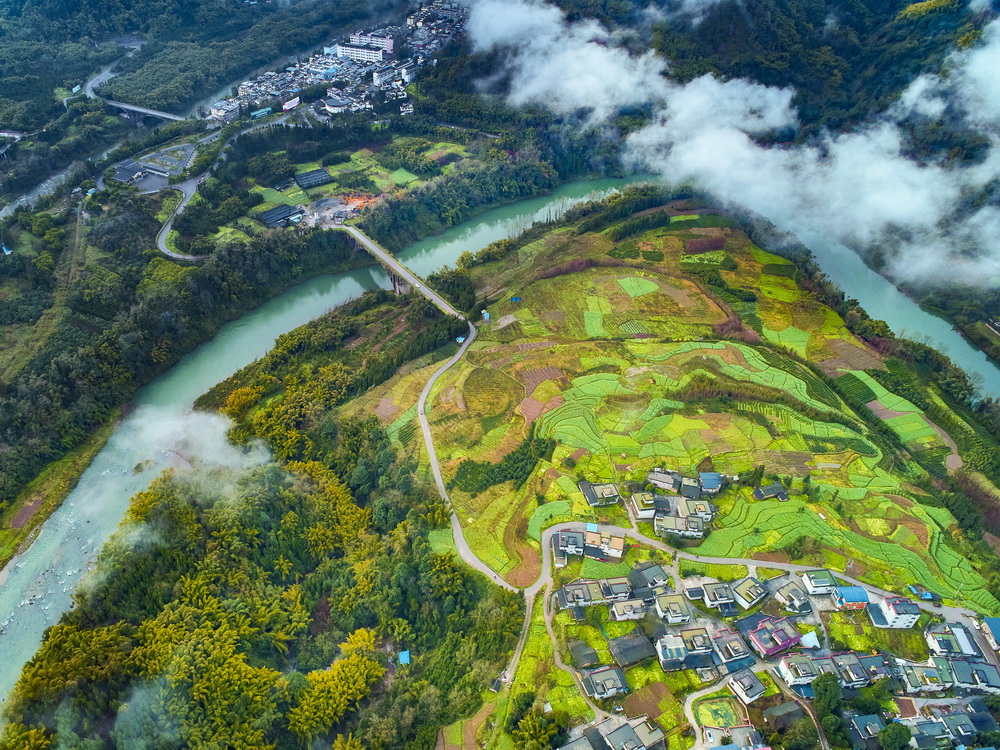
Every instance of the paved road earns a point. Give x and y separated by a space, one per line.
414 281
187 189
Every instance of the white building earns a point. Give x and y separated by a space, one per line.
225 111
819 582
797 669
673 608
358 52
630 609
374 39
893 612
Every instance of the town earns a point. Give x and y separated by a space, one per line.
759 645
367 69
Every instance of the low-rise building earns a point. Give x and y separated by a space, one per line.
775 490
696 640
868 726
850 598
730 646
893 612
673 609
225 111
718 596
782 716
747 686
951 639
598 495
990 629
711 482
793 597
749 592
671 652
616 589
619 733
921 678
580 594
644 505
771 636
631 648
604 682
598 544
850 670
819 582
630 609
797 669
649 581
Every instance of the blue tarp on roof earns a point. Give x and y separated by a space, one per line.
854 594
404 657
993 625
710 480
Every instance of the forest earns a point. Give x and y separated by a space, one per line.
130 317
285 582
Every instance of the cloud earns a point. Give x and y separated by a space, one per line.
860 187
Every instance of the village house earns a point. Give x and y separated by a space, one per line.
582 654
867 727
749 592
597 544
793 598
598 495
797 669
747 686
580 594
696 641
673 609
850 598
689 527
947 639
775 490
967 674
718 596
649 581
671 652
630 609
631 648
893 612
730 646
711 482
782 716
850 670
616 589
990 629
771 636
644 505
819 582
619 733
920 678
604 682
565 544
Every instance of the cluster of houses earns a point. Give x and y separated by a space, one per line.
618 733
685 630
675 504
367 67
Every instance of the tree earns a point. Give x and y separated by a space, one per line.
896 736
801 735
534 732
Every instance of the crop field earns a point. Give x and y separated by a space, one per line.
619 363
537 672
719 711
855 630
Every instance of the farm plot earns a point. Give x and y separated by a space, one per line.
719 711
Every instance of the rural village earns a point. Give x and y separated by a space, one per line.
759 643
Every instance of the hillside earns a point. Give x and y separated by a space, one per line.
638 332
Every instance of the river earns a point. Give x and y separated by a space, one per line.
44 576
50 569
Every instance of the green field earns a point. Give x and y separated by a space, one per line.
719 711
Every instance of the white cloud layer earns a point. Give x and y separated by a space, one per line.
857 187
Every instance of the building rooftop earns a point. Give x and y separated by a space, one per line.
852 594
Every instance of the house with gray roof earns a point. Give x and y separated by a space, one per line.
604 682
747 686
631 648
